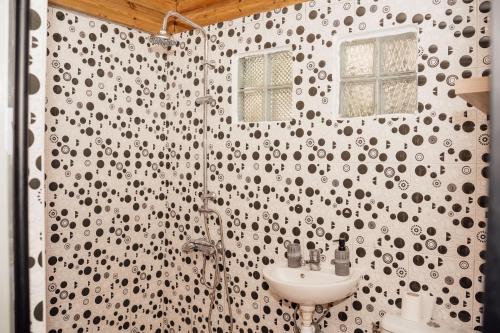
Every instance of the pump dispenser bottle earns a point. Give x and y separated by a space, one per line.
341 261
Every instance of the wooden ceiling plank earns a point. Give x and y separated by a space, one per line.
232 9
138 8
123 14
101 8
160 6
189 5
216 13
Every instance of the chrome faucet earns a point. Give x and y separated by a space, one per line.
202 245
314 260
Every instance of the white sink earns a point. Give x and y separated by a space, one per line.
306 287
309 288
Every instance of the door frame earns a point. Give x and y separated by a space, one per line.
20 205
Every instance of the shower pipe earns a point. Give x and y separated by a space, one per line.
206 195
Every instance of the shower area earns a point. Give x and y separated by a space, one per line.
162 203
125 143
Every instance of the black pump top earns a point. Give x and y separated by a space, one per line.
342 244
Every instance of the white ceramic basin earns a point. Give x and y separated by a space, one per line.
309 288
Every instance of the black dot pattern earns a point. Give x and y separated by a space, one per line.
123 146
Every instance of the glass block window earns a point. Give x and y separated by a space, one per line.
378 75
264 86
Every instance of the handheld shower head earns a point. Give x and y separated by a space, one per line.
163 39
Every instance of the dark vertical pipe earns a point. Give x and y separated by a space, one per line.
20 181
492 294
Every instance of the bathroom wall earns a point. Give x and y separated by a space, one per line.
123 159
36 104
409 192
107 174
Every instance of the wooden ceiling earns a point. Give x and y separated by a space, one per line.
147 15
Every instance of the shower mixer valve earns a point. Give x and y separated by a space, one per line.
202 245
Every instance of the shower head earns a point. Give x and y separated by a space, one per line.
163 39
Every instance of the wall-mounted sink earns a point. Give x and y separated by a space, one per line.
306 287
309 288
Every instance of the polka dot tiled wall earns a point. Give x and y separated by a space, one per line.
123 172
108 174
36 89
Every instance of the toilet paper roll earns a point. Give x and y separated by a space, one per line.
412 307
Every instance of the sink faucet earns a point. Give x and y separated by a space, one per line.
314 260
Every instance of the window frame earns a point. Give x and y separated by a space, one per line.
378 35
266 88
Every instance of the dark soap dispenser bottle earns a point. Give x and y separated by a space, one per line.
342 262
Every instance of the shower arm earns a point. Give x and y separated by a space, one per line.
184 19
